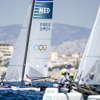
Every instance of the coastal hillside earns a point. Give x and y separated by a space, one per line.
65 38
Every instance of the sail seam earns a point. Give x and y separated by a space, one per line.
16 65
42 39
44 1
92 56
9 76
37 70
24 27
36 75
96 27
39 58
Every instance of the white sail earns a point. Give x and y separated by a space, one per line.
40 40
91 66
80 69
14 71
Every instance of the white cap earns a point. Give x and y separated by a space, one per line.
64 69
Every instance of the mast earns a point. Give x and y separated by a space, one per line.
27 43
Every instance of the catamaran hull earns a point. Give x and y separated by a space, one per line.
53 94
94 97
19 88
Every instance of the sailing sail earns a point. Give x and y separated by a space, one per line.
80 69
36 57
40 40
14 70
91 67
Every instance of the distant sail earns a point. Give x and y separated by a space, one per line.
91 66
14 71
40 39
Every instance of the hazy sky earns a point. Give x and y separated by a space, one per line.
72 12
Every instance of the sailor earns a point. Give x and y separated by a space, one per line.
64 69
71 77
67 73
64 81
28 81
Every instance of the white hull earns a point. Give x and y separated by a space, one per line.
22 89
94 97
18 88
52 94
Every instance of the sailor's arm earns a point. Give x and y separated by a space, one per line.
30 82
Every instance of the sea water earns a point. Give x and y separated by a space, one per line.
24 95
20 95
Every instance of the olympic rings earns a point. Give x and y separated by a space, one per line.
40 48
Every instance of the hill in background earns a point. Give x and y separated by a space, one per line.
65 38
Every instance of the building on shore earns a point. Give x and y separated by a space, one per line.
53 56
68 55
6 47
72 59
1 58
7 50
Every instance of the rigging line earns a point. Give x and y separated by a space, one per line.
78 86
75 75
86 90
84 86
91 91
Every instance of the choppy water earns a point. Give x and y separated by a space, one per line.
23 95
20 95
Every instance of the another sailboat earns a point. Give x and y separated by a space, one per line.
88 72
89 69
31 54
